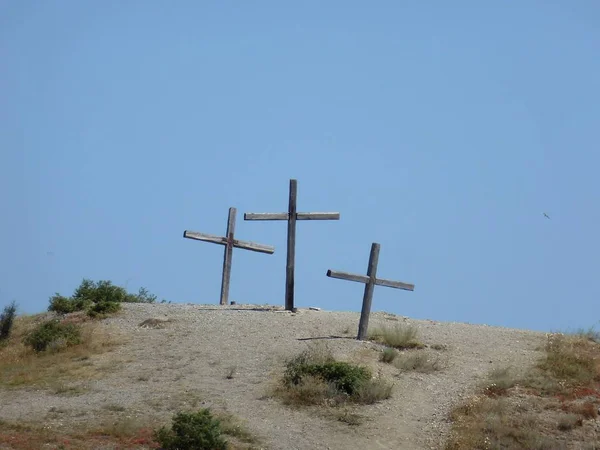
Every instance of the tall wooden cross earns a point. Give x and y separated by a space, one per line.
370 281
292 216
229 242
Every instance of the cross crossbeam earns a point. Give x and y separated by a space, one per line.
370 281
292 216
230 243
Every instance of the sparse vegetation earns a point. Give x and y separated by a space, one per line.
231 373
590 334
388 355
569 421
97 299
572 359
192 431
398 336
7 319
418 361
500 380
45 352
315 377
541 409
234 428
373 390
53 335
186 432
347 330
348 417
440 347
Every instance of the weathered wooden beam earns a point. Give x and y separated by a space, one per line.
318 216
365 279
363 324
230 243
205 237
347 276
246 245
266 216
292 216
299 216
370 281
395 284
291 247
228 256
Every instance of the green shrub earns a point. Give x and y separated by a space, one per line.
192 431
53 335
102 291
344 376
143 296
7 319
97 299
64 305
314 377
103 308
388 355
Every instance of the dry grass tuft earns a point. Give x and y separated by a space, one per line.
348 417
499 381
418 361
398 336
569 421
236 428
373 391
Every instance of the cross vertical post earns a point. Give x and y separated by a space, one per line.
370 281
292 216
229 242
226 277
365 312
291 247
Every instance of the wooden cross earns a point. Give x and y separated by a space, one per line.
292 216
370 281
229 242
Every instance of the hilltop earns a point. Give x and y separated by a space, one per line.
168 357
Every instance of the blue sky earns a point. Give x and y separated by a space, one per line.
441 130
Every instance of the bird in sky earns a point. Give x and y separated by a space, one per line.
546 216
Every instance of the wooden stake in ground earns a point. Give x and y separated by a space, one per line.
370 281
229 242
292 216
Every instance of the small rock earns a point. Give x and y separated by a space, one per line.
314 308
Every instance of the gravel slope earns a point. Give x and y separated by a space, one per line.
185 364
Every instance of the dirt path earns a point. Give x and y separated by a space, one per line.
186 363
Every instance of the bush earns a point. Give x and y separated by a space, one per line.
103 308
344 376
64 305
7 319
54 335
388 355
97 299
192 431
